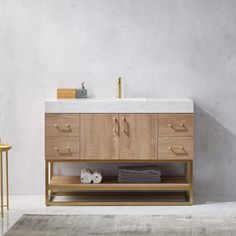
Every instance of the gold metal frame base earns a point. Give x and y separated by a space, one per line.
52 192
110 201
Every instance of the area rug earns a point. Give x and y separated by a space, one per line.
150 225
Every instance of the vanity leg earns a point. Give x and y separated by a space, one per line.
191 182
51 175
46 182
188 173
51 169
186 170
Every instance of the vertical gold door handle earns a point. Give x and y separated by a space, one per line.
115 126
125 128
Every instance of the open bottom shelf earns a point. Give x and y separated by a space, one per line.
111 183
69 191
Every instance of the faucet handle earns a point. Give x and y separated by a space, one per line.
83 85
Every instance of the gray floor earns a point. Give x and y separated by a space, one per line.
204 206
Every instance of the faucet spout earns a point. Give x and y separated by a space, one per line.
119 92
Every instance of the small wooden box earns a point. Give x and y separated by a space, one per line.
66 93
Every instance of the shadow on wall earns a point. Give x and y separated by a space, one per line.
215 156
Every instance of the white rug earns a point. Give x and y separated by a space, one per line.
71 225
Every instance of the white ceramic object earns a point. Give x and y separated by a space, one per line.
97 176
86 176
122 105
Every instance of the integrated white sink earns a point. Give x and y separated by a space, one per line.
109 99
120 105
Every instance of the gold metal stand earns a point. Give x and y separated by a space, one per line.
4 148
110 192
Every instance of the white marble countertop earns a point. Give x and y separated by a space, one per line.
123 105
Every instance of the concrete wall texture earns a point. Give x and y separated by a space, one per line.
183 48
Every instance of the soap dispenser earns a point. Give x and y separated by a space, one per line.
82 92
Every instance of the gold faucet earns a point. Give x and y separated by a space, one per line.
119 93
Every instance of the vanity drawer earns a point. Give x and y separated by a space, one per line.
62 148
180 125
60 125
175 148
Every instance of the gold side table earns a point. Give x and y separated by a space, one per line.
4 148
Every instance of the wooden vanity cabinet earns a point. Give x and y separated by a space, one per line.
119 137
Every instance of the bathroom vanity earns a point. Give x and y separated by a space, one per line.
119 131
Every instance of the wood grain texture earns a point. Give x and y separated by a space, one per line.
62 125
175 143
67 148
180 125
111 183
138 136
99 136
66 93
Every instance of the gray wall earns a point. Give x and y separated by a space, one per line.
161 48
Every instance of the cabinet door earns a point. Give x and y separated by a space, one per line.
138 136
99 136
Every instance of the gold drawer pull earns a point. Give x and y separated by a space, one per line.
63 128
61 149
175 147
58 126
178 150
177 124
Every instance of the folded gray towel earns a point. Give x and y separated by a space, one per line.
139 180
148 170
139 174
